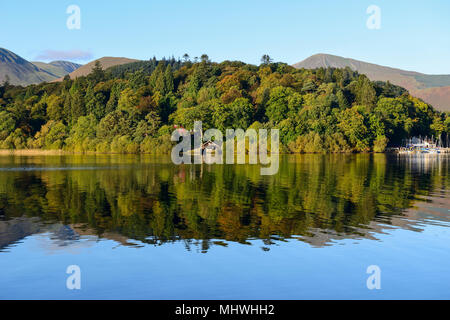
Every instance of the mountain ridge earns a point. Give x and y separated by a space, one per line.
20 71
433 89
23 72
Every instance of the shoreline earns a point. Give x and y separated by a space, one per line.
41 152
32 152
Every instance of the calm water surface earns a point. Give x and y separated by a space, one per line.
140 227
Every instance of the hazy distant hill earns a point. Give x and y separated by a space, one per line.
106 62
23 72
434 89
58 68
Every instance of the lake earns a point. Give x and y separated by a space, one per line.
140 227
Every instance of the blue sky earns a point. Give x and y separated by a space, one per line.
414 35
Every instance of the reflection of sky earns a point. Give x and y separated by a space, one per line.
49 244
413 265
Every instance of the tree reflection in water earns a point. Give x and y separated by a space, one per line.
314 198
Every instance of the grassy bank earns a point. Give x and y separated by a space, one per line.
32 152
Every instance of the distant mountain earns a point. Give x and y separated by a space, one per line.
434 89
20 71
58 68
23 72
106 63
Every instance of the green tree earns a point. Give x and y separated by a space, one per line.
168 80
55 107
283 103
266 59
148 127
97 73
365 92
7 124
114 124
351 122
83 134
242 113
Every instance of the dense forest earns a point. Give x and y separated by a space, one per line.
133 108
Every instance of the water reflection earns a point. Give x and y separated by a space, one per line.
317 199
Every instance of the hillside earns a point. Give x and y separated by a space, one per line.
58 68
417 83
106 62
20 71
438 96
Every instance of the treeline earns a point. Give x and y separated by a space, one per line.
133 108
